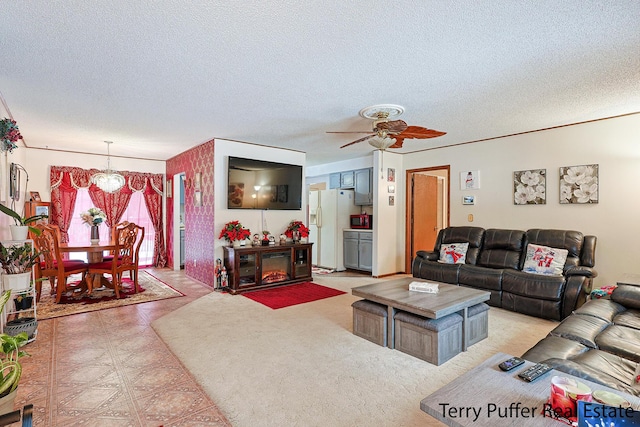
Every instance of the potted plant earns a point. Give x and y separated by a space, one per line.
296 230
9 134
21 227
234 233
17 261
10 367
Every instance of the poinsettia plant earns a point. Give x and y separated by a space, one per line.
9 135
296 226
233 231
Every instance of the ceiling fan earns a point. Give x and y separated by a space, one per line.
390 133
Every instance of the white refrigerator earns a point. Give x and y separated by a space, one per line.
329 215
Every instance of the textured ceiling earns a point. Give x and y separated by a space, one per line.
159 77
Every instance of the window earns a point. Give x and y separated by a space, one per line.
136 212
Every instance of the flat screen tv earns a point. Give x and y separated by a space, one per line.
258 184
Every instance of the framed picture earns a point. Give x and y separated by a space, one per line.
236 195
391 189
42 210
35 196
169 189
469 180
468 200
283 193
273 190
579 184
197 183
197 198
530 187
391 175
392 200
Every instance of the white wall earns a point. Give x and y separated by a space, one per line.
37 164
321 172
277 220
613 144
388 221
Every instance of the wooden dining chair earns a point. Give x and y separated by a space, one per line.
114 236
124 259
52 265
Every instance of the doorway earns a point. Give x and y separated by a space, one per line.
427 211
178 221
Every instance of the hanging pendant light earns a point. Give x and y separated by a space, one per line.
108 180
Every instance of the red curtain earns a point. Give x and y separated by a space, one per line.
65 181
112 204
63 201
153 201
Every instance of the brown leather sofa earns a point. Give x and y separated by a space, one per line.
599 342
494 262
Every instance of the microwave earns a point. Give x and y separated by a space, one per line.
361 221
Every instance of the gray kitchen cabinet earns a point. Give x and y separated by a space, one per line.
358 250
334 180
363 187
365 251
346 179
351 252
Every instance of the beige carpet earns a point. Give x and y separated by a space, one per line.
154 290
302 366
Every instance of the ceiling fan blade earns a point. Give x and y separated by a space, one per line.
358 140
394 126
415 132
351 132
419 132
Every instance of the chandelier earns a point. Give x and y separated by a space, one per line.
108 180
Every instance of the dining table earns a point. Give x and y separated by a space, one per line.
95 253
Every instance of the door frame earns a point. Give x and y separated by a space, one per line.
178 190
409 202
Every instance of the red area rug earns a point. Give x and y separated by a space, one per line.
285 296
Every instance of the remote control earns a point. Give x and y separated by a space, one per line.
534 372
509 364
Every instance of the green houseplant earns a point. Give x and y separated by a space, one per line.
21 223
16 259
17 262
10 367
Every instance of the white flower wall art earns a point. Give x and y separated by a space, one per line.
579 184
530 187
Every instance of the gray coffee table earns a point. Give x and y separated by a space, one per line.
485 390
395 294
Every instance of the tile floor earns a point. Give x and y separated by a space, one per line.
109 368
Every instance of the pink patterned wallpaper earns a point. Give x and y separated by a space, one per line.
199 233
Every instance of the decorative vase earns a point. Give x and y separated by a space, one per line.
237 243
19 232
95 235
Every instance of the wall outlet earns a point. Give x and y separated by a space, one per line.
195 263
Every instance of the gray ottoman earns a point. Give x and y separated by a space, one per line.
433 340
370 321
477 323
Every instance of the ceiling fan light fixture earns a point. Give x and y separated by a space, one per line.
381 143
108 180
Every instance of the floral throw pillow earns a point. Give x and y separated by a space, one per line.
544 260
453 253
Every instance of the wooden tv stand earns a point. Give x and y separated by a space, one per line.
258 267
